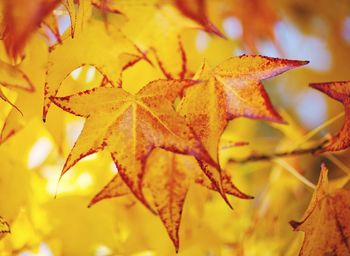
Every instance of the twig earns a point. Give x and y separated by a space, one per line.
267 157
315 131
295 173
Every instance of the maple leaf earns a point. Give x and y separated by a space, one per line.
116 187
258 19
234 90
339 91
51 23
14 78
31 76
130 126
326 222
168 177
21 19
196 10
110 53
105 6
157 26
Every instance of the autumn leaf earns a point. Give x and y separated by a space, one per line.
168 177
227 185
21 19
157 28
106 7
258 20
13 77
115 188
51 23
130 126
30 101
326 222
170 144
340 91
169 180
196 10
234 90
109 52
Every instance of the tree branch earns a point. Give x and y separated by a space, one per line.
267 157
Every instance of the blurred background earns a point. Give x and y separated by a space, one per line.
48 218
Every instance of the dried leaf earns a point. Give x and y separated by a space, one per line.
339 91
326 222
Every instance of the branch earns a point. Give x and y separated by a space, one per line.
267 157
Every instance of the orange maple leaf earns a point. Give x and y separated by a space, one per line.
196 10
339 91
168 177
326 222
21 19
130 126
230 90
258 19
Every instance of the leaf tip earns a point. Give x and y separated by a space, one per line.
294 224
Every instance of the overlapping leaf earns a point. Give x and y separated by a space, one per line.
168 177
230 90
340 91
197 11
13 77
21 19
257 18
108 51
30 101
130 126
326 222
155 26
